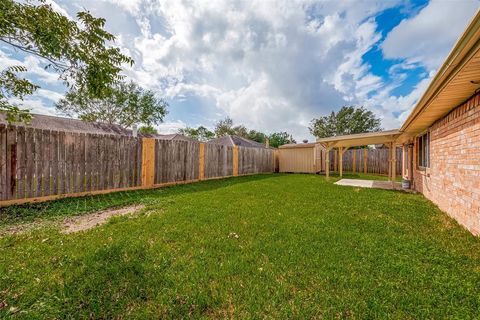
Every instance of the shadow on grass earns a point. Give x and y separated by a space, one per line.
81 205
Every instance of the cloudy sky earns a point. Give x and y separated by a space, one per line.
271 65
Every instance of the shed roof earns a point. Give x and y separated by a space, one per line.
360 139
298 145
233 140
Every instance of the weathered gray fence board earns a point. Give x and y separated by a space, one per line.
61 163
175 161
218 161
30 163
11 161
36 163
3 162
254 160
21 163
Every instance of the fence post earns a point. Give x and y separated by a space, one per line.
365 157
235 161
148 162
201 162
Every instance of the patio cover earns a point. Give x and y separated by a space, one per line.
343 143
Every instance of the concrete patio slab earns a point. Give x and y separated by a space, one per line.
369 184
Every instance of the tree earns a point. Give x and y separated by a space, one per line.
76 50
148 130
225 127
201 133
348 120
257 136
278 139
126 105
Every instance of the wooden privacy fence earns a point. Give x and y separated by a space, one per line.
37 165
366 160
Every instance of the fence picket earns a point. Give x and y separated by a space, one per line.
36 163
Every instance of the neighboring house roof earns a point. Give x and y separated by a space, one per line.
456 81
174 136
233 140
71 125
78 126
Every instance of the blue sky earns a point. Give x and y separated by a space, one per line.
270 65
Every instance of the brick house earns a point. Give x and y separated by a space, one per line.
441 136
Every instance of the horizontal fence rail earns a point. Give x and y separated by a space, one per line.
38 165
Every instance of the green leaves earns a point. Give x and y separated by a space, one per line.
278 139
225 127
201 133
348 120
13 86
126 104
77 51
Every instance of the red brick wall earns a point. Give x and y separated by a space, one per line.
453 179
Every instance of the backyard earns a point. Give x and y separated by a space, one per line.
264 246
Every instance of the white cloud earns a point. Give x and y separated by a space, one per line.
426 38
57 8
171 127
270 65
49 94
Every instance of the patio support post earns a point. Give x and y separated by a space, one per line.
365 157
394 163
340 161
410 162
341 151
390 155
327 161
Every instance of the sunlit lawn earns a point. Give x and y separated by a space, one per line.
268 246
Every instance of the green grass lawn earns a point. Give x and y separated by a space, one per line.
268 246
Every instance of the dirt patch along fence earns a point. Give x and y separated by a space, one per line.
39 165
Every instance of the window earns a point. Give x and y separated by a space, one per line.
424 150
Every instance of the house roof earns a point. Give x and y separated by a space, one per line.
233 140
456 80
45 122
71 125
174 136
360 139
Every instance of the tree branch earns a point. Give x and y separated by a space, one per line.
56 63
